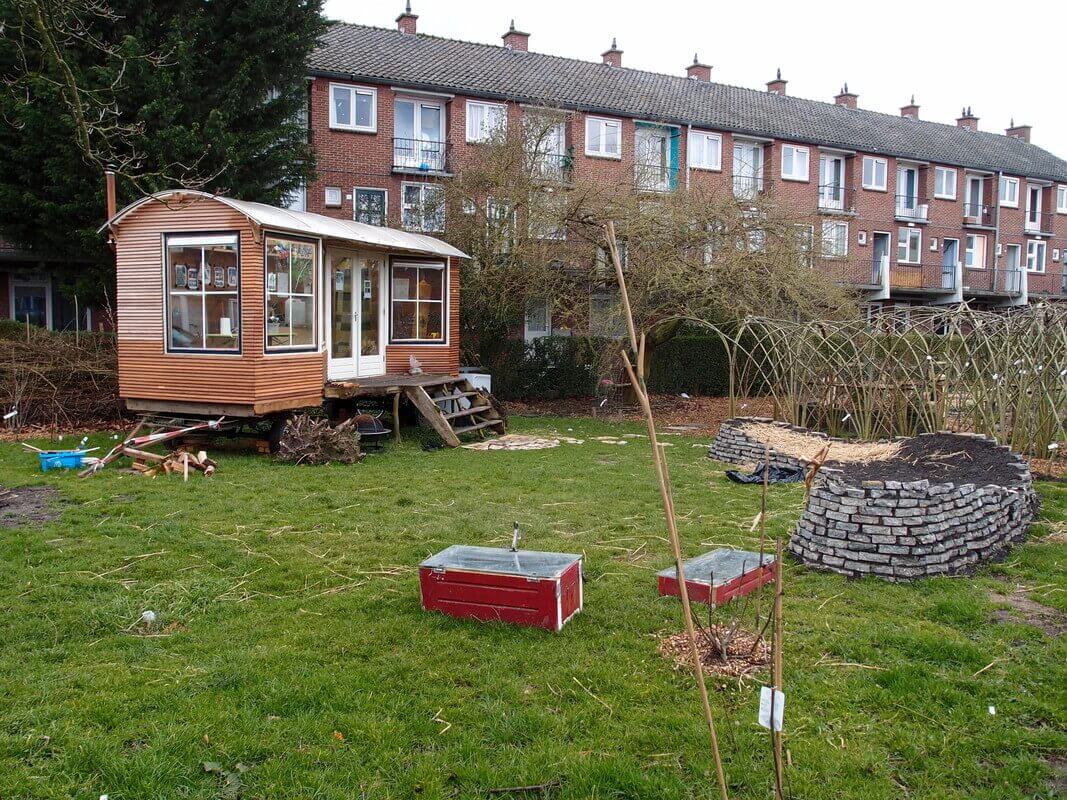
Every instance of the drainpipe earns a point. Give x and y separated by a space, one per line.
688 136
109 182
996 236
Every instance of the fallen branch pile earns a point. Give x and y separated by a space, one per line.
313 440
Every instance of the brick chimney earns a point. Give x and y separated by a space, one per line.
698 71
967 120
911 111
516 40
777 86
1019 131
846 98
405 23
613 56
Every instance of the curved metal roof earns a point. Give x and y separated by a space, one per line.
306 223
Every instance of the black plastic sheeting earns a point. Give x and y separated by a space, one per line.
775 475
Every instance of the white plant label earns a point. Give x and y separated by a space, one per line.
765 695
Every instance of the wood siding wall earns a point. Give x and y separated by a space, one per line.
147 371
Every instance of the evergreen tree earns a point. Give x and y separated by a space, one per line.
204 94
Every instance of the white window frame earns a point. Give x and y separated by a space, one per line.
385 203
905 236
201 240
485 133
705 138
836 225
353 91
1005 182
945 195
34 282
1032 246
602 122
1061 199
874 186
313 297
327 202
968 249
795 174
423 187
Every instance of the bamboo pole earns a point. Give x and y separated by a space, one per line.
659 460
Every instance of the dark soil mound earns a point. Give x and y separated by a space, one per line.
940 458
28 505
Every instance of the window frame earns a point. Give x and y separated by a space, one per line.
796 149
601 153
967 248
326 197
906 244
445 300
833 223
484 135
1061 198
183 351
316 292
1037 269
705 136
1005 180
422 188
874 187
353 90
385 204
938 171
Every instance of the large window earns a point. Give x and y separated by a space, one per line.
1009 192
909 245
705 150
419 309
874 173
794 163
203 296
945 183
422 207
603 137
1035 255
485 120
290 293
974 253
370 206
353 108
834 239
1061 199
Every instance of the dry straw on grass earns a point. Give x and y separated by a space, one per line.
805 447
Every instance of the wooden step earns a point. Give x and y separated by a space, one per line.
477 426
441 398
467 412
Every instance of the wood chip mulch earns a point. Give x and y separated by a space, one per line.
744 660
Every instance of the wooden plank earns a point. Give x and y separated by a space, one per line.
478 426
467 412
432 414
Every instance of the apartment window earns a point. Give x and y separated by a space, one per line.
545 143
834 239
548 216
652 158
538 319
705 150
832 183
945 183
290 265
499 224
603 137
1035 256
909 245
422 207
333 197
874 173
805 238
485 120
370 206
794 163
417 298
419 139
748 169
1061 199
974 253
1009 192
203 300
353 108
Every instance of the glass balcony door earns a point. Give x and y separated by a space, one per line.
419 135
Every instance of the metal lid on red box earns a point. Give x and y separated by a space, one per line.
719 566
501 561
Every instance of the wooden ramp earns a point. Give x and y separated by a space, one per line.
451 406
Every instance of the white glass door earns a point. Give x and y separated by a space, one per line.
973 205
371 317
419 142
357 315
342 322
832 182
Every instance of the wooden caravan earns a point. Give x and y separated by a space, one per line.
243 309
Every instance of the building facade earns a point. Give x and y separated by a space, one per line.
907 211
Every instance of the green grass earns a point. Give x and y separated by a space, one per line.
295 593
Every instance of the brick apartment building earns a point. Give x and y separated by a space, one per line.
908 211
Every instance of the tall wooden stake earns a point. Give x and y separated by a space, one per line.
659 458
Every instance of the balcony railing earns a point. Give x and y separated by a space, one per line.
835 198
857 272
933 276
652 177
1051 283
421 155
748 187
1010 280
554 167
1038 222
911 208
979 215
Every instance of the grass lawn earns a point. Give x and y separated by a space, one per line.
297 646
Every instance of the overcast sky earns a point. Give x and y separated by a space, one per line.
1004 59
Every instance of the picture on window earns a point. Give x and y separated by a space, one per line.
203 314
418 303
291 290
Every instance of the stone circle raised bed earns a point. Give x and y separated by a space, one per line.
935 504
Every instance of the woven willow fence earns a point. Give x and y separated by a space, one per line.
1003 374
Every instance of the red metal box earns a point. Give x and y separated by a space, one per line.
523 587
720 576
